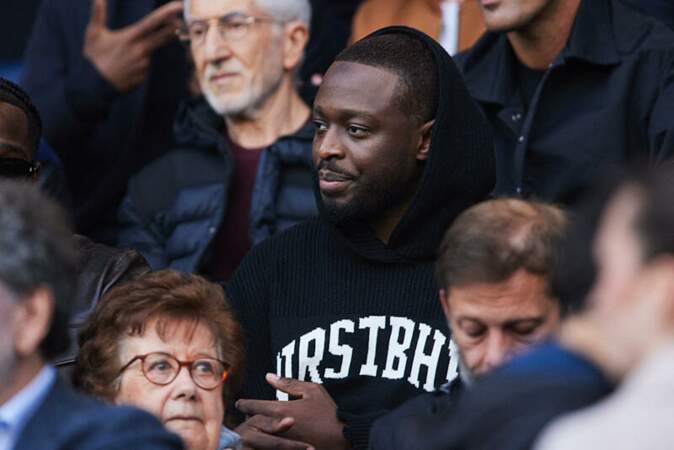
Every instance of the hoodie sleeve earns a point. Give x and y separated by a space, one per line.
248 293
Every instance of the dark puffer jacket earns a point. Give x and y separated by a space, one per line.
175 206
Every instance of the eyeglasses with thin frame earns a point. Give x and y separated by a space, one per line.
18 168
162 368
231 27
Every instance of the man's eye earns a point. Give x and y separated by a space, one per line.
197 30
356 131
320 126
473 329
235 25
525 329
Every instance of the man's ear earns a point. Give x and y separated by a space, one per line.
33 320
296 36
424 147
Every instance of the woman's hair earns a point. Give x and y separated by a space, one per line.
163 297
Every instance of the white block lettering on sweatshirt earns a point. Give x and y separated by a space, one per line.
428 360
343 350
286 353
396 359
309 363
374 324
403 336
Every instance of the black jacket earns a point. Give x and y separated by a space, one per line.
175 206
405 427
102 136
335 305
608 98
509 407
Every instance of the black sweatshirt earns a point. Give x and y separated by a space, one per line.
334 305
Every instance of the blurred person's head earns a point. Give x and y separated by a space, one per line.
374 115
513 15
494 267
636 229
20 131
244 51
168 343
37 283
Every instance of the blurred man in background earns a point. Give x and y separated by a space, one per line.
241 170
37 284
107 77
628 328
495 264
570 87
99 267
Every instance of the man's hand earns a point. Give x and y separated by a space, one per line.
314 413
123 56
258 433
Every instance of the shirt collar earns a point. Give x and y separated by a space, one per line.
489 66
21 407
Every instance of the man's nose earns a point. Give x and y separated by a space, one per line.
215 47
498 350
330 145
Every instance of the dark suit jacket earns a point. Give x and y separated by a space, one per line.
70 421
102 136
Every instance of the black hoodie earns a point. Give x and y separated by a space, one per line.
337 306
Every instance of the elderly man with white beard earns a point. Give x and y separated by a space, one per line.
241 170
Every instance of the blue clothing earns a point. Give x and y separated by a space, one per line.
174 207
228 439
65 420
508 408
18 410
400 428
101 135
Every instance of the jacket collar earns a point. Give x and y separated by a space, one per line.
489 65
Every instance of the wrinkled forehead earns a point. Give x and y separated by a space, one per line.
202 9
14 132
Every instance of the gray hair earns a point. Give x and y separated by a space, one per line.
283 10
37 251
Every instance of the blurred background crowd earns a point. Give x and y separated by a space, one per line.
347 224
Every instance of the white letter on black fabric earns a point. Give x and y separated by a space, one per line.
308 362
374 324
337 349
422 359
396 360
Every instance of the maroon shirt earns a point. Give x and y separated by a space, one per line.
232 242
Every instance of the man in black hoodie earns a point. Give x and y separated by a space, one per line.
344 306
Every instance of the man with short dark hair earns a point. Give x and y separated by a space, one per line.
569 88
617 265
342 309
37 284
98 267
494 266
20 130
